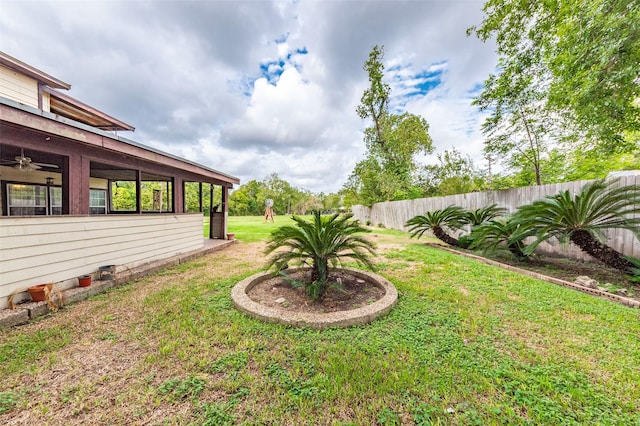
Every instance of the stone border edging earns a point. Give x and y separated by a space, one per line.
632 303
363 315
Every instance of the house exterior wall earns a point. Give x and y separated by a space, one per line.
37 250
19 87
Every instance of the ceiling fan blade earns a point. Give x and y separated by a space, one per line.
51 166
26 167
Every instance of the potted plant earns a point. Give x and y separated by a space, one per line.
84 280
38 292
47 293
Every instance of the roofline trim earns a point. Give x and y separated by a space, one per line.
103 133
41 76
91 110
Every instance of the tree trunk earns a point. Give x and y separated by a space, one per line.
516 250
443 236
602 252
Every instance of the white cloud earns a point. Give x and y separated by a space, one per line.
188 75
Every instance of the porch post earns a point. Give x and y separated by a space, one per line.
75 185
225 209
210 211
178 195
138 191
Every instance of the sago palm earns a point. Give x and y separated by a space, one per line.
583 217
440 222
499 234
321 243
483 214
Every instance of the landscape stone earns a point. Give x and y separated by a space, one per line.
585 281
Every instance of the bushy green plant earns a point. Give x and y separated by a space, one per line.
483 214
440 222
321 243
499 234
634 272
582 218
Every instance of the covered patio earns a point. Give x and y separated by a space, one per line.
75 195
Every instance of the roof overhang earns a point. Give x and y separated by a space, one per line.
26 69
46 129
69 107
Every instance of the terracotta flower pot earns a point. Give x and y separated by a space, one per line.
231 236
84 281
37 292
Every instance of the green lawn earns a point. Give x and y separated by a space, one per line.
251 229
468 343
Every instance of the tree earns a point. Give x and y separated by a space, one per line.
581 56
248 199
320 243
440 222
392 141
453 174
583 217
519 128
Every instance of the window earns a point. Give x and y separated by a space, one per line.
97 201
26 200
55 200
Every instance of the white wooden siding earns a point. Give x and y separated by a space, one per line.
395 214
35 250
18 87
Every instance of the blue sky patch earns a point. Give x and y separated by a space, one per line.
407 83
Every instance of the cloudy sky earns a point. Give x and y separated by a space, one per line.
256 87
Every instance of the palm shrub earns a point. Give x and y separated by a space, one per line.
498 234
483 214
322 243
582 218
440 222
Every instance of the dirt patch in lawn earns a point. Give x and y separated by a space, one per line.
344 292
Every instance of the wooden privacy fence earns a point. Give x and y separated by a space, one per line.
395 214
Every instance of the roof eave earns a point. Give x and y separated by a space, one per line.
41 76
113 123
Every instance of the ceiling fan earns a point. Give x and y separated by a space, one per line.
24 164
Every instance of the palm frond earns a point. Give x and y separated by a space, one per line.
483 214
321 242
451 217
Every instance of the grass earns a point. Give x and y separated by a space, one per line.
468 343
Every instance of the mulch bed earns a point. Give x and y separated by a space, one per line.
344 292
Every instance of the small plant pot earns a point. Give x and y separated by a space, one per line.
231 236
37 292
84 281
106 272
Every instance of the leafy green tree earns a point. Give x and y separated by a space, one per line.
580 56
519 129
440 222
248 199
123 195
392 141
453 174
322 243
582 218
